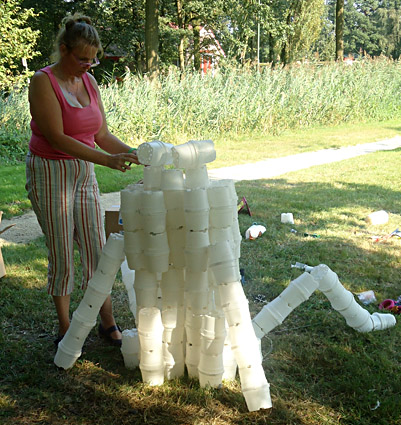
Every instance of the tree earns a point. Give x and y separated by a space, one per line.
17 42
152 37
339 30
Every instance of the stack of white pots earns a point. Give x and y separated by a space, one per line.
204 312
342 300
84 318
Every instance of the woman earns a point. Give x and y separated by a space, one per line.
67 120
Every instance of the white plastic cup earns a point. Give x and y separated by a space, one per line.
196 281
145 279
130 340
226 272
193 320
150 343
341 302
377 217
230 365
192 354
383 321
299 290
149 320
231 292
272 315
65 358
169 315
88 314
132 220
237 313
152 202
220 234
357 320
155 153
197 178
77 332
177 258
109 265
114 248
258 398
172 179
174 199
175 335
219 196
101 282
211 365
130 198
195 199
93 298
172 280
136 261
155 243
193 337
176 237
197 239
252 377
326 278
146 298
246 356
152 177
154 223
242 333
130 348
287 218
221 217
193 154
219 253
212 347
197 220
157 261
173 353
210 380
131 359
197 302
152 376
175 219
196 260
173 371
134 241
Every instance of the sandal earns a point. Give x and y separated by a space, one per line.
58 339
106 334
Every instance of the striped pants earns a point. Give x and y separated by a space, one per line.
65 198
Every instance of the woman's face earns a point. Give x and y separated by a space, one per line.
80 59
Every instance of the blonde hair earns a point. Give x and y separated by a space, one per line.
76 30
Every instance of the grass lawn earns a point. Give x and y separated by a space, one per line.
320 370
230 151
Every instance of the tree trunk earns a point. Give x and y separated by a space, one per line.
180 19
339 30
152 38
197 55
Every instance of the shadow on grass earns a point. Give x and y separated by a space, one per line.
320 370
98 389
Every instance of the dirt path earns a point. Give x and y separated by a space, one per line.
26 227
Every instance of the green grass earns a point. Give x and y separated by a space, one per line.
320 370
240 149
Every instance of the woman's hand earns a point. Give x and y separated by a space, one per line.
122 161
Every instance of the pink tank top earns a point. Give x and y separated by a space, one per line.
80 123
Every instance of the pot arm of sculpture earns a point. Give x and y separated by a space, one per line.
342 300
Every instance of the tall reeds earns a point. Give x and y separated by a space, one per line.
234 101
